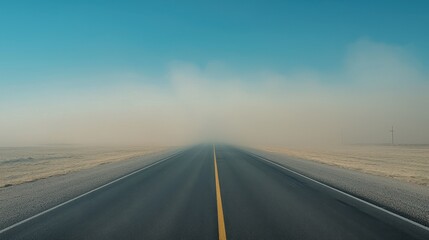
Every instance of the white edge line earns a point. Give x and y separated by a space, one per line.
346 194
84 194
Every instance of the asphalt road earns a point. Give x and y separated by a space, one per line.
177 199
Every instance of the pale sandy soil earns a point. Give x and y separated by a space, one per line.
406 163
26 164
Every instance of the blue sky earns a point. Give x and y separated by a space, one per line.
162 71
60 38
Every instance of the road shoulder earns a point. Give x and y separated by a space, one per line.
408 200
22 201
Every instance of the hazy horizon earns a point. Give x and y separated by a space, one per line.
213 74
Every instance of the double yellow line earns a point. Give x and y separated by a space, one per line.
220 220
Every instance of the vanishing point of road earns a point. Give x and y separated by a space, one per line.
208 192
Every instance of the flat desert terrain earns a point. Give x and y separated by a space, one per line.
26 164
408 163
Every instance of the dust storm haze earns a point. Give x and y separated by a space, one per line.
377 86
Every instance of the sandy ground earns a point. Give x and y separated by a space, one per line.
27 164
406 163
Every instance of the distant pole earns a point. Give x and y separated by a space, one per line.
393 143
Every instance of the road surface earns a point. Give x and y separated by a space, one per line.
214 193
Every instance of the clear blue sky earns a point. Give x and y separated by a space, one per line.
60 38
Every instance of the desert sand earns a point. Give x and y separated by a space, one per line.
26 164
403 162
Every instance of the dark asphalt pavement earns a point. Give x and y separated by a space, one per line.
176 199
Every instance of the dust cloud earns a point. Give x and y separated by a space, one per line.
378 86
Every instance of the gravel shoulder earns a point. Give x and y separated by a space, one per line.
19 202
406 199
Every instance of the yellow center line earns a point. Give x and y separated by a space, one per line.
220 221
